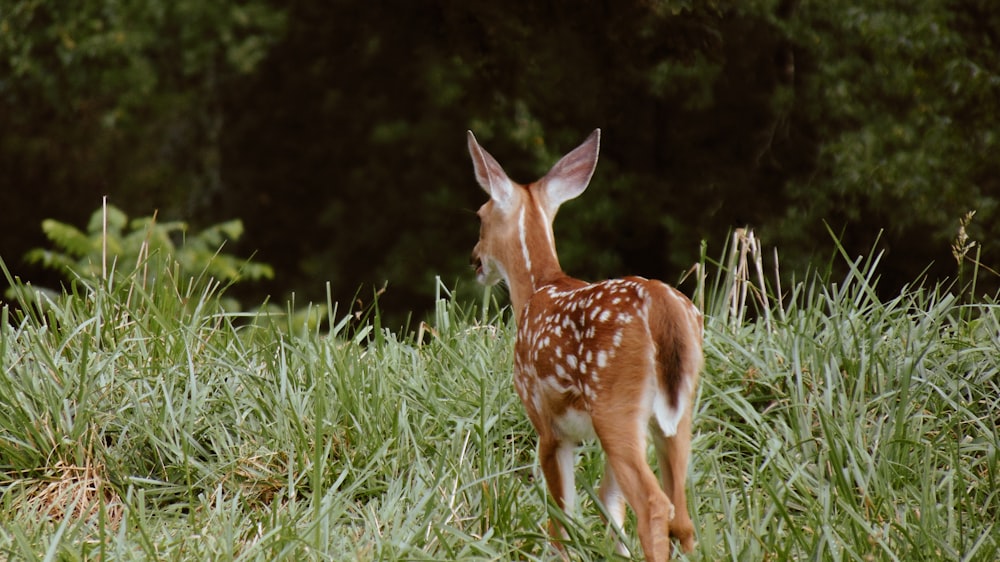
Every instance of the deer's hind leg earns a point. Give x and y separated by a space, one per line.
673 454
620 421
614 503
556 458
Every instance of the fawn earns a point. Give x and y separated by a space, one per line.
616 359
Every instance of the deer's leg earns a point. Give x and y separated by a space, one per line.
614 504
556 458
625 445
673 454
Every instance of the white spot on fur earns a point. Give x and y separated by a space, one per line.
536 401
548 226
575 425
666 417
558 386
522 234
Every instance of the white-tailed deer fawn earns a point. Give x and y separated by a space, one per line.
614 359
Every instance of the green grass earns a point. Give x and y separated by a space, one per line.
143 421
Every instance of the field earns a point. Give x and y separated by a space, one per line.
139 420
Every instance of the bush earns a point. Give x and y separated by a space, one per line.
114 250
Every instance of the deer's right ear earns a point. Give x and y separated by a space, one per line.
490 175
571 174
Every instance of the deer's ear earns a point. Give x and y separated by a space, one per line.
490 175
571 174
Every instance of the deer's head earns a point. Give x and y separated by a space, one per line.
515 236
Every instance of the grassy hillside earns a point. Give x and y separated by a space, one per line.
140 420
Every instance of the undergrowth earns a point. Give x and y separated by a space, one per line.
145 421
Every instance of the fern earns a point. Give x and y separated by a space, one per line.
111 239
69 238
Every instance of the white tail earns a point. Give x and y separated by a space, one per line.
607 359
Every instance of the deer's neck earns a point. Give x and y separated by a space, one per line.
535 262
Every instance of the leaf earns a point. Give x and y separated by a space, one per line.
49 259
117 220
145 223
233 229
67 237
256 271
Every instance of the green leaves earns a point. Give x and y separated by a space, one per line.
338 125
114 242
904 132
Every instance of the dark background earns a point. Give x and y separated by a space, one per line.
336 130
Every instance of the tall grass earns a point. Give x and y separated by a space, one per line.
144 421
853 428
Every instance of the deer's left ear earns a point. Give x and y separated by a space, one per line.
571 174
490 175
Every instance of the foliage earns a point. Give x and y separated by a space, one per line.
145 421
335 129
873 118
904 105
119 99
114 249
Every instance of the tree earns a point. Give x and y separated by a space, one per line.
101 97
905 106
335 129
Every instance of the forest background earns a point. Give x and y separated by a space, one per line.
335 130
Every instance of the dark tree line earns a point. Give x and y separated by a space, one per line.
335 130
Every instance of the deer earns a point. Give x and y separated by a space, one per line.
616 360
